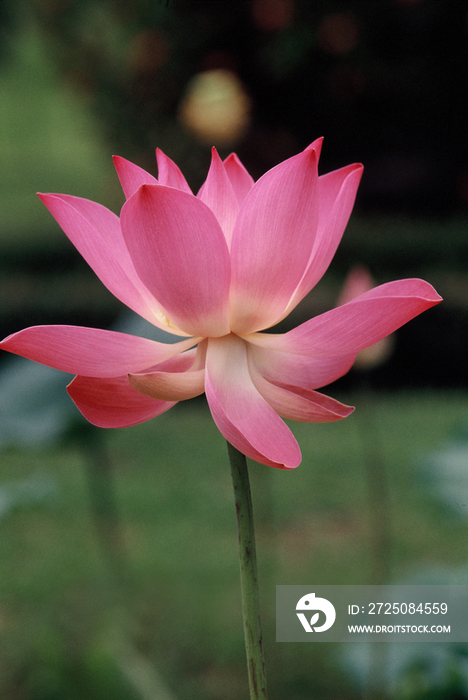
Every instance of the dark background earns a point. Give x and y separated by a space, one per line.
384 82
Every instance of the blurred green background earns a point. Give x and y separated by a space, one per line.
118 552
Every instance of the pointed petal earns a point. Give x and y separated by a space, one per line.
90 351
241 180
112 403
218 194
300 404
131 176
336 197
357 324
170 174
242 415
316 146
306 371
181 255
272 242
96 234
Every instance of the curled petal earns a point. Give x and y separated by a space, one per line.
170 174
306 371
112 403
301 404
218 194
272 242
90 351
241 180
169 386
131 176
362 322
181 255
242 415
177 379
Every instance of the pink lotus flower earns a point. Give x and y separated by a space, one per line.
217 269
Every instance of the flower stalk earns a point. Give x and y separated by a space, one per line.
248 575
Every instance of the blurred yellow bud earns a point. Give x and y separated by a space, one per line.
216 107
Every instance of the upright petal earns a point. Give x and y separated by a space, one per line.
349 328
316 146
90 351
336 197
272 242
96 234
181 255
241 180
218 194
131 176
112 403
242 415
170 174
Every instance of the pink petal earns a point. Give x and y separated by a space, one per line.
179 378
241 180
306 371
112 403
272 242
300 404
242 415
95 232
316 146
90 351
336 196
131 176
181 255
357 324
169 386
169 173
218 194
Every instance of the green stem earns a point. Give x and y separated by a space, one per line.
248 575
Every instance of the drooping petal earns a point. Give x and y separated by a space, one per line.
112 403
131 176
96 234
170 174
218 194
241 180
357 324
90 351
272 242
300 404
306 371
242 415
181 255
336 197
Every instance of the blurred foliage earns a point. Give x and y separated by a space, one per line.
65 631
